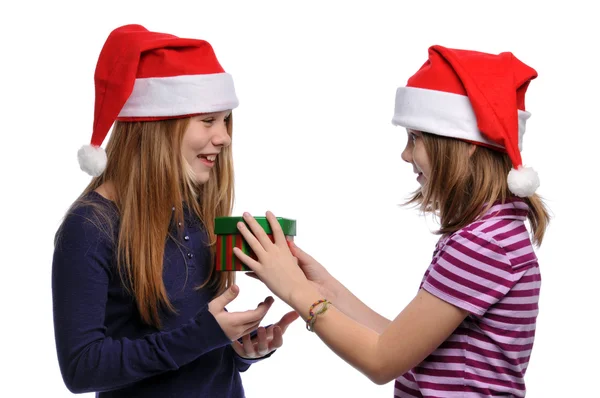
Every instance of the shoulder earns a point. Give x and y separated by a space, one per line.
90 218
503 242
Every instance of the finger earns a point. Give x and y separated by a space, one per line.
278 235
270 333
277 338
252 274
227 297
248 346
246 259
252 316
268 301
238 347
257 231
286 320
302 257
262 345
255 244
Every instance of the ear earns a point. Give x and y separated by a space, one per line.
472 149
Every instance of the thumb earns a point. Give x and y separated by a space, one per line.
228 296
302 257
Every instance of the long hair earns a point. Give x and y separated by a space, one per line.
150 176
462 186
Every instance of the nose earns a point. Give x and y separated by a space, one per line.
407 153
221 136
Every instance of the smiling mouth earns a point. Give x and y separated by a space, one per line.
210 158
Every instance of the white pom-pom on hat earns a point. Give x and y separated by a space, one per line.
92 159
472 96
523 181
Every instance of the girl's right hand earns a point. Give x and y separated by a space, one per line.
237 324
323 281
326 284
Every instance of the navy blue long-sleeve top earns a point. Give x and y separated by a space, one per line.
102 344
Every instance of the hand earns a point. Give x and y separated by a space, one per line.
276 266
266 340
237 324
323 281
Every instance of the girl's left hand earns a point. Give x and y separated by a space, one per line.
276 266
266 340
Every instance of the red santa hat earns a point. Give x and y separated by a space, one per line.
472 96
143 75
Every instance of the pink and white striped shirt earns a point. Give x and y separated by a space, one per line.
489 269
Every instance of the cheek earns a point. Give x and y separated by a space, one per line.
407 154
193 144
186 149
421 159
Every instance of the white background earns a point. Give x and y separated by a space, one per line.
313 140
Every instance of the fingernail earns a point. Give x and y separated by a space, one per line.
240 225
246 214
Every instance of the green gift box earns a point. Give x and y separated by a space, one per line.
228 237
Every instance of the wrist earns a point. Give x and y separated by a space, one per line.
303 298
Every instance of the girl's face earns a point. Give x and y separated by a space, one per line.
203 141
415 154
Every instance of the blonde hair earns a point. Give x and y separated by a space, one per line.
462 186
150 177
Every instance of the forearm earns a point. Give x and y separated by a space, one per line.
349 304
351 340
91 362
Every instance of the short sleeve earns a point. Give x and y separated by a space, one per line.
470 271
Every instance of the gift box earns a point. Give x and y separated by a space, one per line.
228 237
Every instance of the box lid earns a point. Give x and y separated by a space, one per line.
228 225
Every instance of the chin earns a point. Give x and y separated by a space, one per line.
201 177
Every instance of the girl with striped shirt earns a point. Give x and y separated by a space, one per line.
470 329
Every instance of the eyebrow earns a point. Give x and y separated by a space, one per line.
212 114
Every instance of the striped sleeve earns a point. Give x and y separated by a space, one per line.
471 271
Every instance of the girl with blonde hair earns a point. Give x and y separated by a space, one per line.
470 329
139 310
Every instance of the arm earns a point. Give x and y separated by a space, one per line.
89 359
471 273
337 293
345 301
468 275
416 332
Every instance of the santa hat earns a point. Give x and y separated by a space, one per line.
143 75
472 96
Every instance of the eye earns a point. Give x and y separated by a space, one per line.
209 120
412 136
227 118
